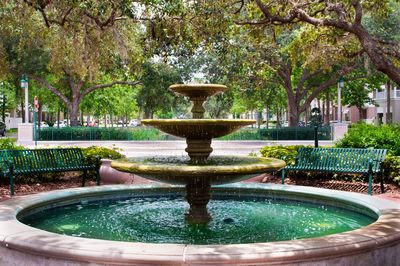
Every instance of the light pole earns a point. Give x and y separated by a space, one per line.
24 84
340 85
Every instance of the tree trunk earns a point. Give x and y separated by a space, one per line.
58 117
328 108
267 118
23 112
39 114
3 110
306 115
360 112
146 113
293 112
139 112
388 115
381 62
81 118
278 116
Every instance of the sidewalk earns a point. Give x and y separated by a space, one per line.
174 147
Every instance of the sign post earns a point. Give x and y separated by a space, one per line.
36 110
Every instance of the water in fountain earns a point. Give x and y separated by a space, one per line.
158 219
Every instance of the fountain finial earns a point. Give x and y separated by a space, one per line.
198 94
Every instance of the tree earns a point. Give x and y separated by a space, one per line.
154 95
78 43
356 93
345 17
7 98
268 61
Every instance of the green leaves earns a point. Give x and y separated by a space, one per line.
371 136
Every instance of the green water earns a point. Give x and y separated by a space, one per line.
160 220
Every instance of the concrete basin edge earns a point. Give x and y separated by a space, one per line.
375 241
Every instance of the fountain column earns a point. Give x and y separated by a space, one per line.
198 195
198 149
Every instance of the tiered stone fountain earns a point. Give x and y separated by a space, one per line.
141 221
197 176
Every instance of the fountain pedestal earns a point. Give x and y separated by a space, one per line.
198 195
198 149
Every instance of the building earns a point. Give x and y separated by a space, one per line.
381 110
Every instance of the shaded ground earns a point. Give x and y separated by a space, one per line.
71 180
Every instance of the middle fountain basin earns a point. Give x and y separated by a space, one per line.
216 170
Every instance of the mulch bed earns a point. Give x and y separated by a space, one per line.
359 187
69 180
72 179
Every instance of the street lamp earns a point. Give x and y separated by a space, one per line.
340 85
24 84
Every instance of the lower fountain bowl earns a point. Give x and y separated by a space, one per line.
375 244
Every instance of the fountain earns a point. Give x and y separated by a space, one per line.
199 133
127 220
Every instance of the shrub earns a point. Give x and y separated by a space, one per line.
9 144
280 151
368 136
49 123
391 169
90 154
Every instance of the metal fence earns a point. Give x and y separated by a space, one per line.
281 133
149 133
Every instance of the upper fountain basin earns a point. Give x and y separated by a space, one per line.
196 91
198 128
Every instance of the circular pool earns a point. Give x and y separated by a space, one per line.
376 243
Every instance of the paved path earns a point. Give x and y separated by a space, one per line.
175 147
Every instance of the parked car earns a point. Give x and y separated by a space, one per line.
2 129
43 124
92 124
302 124
133 123
63 123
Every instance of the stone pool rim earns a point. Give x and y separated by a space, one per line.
372 243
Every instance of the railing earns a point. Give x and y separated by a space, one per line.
281 133
100 133
382 94
149 133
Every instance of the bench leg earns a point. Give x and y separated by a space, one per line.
84 177
11 174
283 176
370 183
98 177
11 185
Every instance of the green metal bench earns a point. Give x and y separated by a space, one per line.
35 161
359 161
